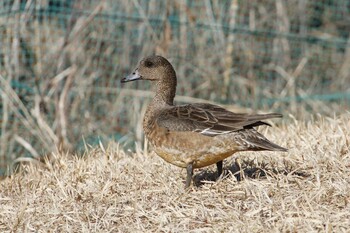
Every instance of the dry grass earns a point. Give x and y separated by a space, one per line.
110 190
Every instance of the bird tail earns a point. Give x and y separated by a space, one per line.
254 141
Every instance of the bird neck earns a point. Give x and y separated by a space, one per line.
164 97
165 93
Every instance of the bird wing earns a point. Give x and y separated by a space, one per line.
209 119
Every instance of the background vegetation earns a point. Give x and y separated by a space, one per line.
61 63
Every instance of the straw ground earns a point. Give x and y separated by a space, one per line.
111 190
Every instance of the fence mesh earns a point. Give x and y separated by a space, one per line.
61 62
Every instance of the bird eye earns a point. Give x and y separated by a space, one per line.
148 63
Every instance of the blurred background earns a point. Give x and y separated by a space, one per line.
61 62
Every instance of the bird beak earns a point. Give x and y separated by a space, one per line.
132 77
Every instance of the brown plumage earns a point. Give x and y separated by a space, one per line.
195 135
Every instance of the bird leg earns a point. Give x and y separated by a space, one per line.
219 166
189 174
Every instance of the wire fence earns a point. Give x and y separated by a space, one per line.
61 62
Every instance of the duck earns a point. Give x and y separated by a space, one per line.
194 135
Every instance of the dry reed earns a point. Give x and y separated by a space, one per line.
62 61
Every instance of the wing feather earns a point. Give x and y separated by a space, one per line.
209 119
